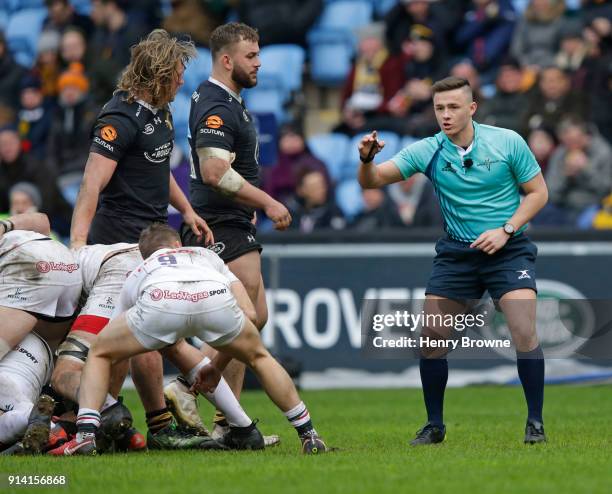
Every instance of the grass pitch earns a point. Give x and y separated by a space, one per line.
483 452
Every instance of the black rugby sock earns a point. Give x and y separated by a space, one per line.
530 366
434 375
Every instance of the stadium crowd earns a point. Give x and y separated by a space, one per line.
540 67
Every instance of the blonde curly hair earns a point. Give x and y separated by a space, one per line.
152 67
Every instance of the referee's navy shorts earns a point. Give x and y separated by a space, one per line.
463 273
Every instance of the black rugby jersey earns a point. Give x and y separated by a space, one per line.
218 119
140 139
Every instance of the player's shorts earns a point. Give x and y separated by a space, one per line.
41 277
108 228
168 311
100 303
232 240
463 273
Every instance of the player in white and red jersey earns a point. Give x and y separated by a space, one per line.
177 293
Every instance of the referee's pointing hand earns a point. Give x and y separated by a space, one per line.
370 146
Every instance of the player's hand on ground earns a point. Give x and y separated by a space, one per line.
279 215
199 227
491 241
370 146
207 379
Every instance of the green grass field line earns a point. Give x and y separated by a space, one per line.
483 452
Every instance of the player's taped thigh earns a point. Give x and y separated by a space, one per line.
75 348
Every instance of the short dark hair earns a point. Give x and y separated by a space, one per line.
450 84
156 236
230 34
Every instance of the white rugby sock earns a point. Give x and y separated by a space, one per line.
222 399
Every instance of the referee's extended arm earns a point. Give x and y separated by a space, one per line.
373 176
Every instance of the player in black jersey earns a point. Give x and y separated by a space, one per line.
225 169
128 171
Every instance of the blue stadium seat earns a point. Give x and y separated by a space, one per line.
285 61
16 5
382 7
346 14
349 198
83 7
4 18
22 34
406 141
267 97
331 53
197 71
180 116
331 149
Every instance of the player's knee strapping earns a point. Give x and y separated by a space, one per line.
74 348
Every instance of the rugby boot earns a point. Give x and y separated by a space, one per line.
312 444
219 431
184 406
429 434
173 437
85 447
534 432
248 437
36 435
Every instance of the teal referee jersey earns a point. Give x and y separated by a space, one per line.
479 191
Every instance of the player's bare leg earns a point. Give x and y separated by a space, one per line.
15 325
249 349
519 308
433 367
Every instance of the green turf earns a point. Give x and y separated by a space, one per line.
483 452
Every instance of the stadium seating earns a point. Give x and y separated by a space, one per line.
346 14
4 18
332 150
22 34
267 97
180 115
382 7
406 141
15 5
330 53
349 198
285 61
197 71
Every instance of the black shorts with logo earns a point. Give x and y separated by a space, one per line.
464 273
232 240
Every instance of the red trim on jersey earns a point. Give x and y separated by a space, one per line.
89 324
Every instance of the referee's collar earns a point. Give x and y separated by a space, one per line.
236 96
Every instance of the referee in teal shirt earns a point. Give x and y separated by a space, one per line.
477 172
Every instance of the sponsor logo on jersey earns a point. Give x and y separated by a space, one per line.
20 349
108 133
214 122
45 267
156 294
160 154
17 295
219 133
157 120
245 115
104 144
449 168
108 304
149 129
217 247
251 239
195 96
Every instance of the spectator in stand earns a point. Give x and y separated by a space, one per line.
379 212
552 99
406 13
313 207
542 143
572 55
416 202
486 33
374 79
294 159
110 45
505 109
280 21
24 197
16 166
412 104
62 16
73 47
11 74
34 117
47 64
579 173
192 18
69 139
538 33
466 70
